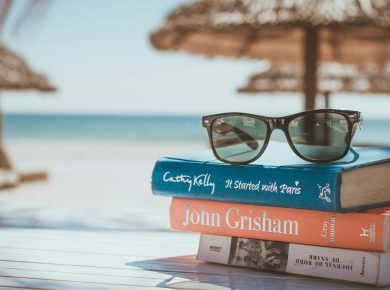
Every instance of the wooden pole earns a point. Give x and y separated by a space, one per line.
1 125
5 163
310 65
326 99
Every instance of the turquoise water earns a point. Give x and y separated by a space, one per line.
188 128
102 127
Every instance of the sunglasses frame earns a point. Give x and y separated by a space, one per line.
353 118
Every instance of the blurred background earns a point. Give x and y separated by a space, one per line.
95 92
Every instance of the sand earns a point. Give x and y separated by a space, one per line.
93 178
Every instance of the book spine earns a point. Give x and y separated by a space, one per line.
362 230
341 264
272 186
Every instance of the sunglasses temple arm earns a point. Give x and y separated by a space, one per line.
358 124
355 154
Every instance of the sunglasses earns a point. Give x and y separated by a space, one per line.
317 136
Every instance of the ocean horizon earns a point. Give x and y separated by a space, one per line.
140 127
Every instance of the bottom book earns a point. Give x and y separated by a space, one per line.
342 264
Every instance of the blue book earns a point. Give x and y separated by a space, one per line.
280 178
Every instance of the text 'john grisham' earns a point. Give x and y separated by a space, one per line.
258 221
205 181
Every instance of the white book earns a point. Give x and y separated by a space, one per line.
342 264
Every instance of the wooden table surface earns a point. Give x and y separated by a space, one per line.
34 254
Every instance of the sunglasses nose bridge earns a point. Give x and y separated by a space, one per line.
277 123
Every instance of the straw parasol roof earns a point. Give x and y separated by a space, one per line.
15 74
332 78
295 31
273 29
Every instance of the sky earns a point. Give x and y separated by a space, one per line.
99 56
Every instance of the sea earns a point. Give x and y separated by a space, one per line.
141 127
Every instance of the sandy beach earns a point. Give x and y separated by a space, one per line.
94 183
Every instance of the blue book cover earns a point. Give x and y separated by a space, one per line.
280 178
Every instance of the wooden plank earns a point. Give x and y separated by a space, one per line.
47 284
58 259
104 266
149 269
267 281
138 253
82 277
89 243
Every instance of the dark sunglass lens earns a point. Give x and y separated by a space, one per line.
320 136
238 138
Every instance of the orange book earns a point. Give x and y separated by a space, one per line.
368 230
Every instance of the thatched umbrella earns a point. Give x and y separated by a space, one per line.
15 74
332 78
300 31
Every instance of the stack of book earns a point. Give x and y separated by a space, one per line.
283 214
